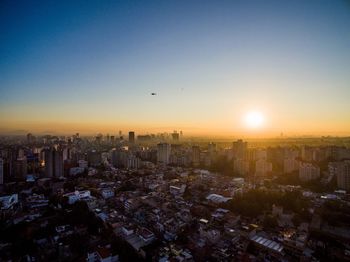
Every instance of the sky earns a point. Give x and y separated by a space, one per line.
91 66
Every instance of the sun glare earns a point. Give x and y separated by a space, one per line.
254 119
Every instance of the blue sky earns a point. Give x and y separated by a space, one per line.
96 63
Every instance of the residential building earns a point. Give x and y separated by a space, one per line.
262 167
290 165
196 155
241 167
343 176
163 153
308 171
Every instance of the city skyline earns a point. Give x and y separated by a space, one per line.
92 67
174 130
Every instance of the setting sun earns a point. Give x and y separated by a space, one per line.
254 119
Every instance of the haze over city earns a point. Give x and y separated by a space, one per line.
232 68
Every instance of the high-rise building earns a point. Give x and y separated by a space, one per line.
115 157
133 162
20 168
32 162
343 175
131 137
99 138
239 149
308 171
30 138
163 153
66 153
307 153
53 162
241 167
175 135
1 171
94 158
58 163
211 148
262 167
260 154
21 153
196 154
49 162
290 165
319 154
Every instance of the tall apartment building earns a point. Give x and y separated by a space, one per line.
196 154
131 137
262 167
241 167
342 172
163 153
308 171
53 162
290 165
239 149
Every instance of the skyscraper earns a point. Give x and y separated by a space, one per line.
131 137
58 163
163 153
211 148
53 162
239 149
48 162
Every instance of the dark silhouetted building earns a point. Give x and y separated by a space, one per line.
20 168
131 137
53 162
175 135
30 138
94 158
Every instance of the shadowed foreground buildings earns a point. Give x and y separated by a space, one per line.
97 199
